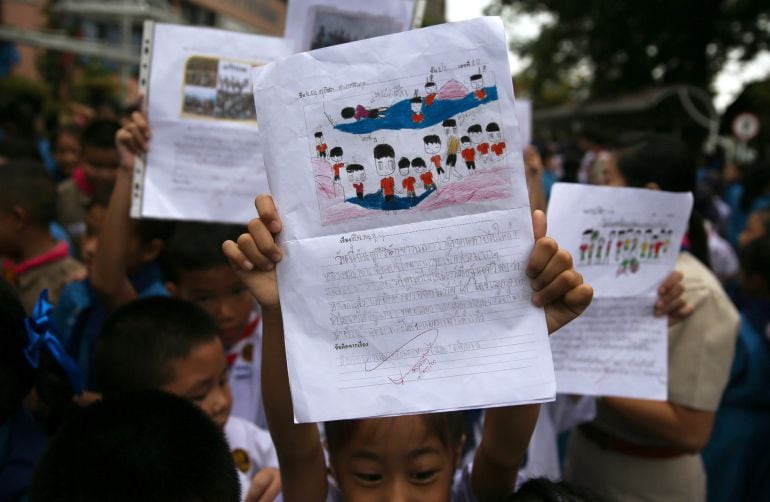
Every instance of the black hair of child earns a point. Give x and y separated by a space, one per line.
196 246
465 139
351 168
416 99
448 426
403 163
546 490
449 123
418 162
319 134
493 127
27 184
384 150
148 230
431 139
348 112
474 128
430 84
335 152
100 133
18 377
144 446
475 76
141 339
755 260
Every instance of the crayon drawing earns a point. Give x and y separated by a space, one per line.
624 249
421 143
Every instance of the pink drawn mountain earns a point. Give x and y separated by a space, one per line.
452 90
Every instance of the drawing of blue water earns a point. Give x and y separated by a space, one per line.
399 116
377 201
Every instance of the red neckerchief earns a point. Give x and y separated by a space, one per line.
12 271
79 177
247 331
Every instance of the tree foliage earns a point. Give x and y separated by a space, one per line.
603 47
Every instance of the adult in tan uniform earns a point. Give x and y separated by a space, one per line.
640 450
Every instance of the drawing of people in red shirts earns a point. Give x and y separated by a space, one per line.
496 139
418 164
477 138
320 146
408 181
357 175
385 164
335 155
416 104
468 153
433 147
430 91
477 84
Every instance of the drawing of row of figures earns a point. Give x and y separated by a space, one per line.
627 248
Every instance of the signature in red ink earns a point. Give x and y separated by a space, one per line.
419 346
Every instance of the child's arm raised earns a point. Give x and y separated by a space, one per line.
109 277
299 448
560 290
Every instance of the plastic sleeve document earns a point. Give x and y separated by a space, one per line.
396 166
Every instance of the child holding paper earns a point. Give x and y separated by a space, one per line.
633 441
401 457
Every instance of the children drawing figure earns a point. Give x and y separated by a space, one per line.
599 249
477 138
592 246
385 163
418 164
496 139
667 241
608 251
468 153
646 243
432 147
356 176
320 146
477 84
335 155
361 112
416 105
619 245
452 146
584 242
408 181
430 91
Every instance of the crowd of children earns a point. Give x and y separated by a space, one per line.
143 317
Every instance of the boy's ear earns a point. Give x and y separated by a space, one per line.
172 289
151 250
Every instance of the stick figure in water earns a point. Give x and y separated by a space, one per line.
385 164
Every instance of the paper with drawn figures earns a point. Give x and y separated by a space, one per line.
625 242
396 166
204 161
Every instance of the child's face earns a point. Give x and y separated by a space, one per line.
753 231
67 153
466 144
385 165
403 171
101 166
201 377
420 169
90 242
336 158
476 137
450 131
476 84
395 459
218 291
416 107
432 147
494 136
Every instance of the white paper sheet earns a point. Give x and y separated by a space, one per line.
204 161
419 302
625 242
315 24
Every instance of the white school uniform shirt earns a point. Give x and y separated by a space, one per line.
252 450
245 375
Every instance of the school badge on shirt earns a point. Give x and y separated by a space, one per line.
241 459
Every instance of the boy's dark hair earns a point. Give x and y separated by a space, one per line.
100 133
141 339
493 127
418 162
465 139
474 128
196 246
66 130
19 148
27 184
148 229
448 427
476 76
354 167
384 150
403 163
319 134
431 138
348 112
335 152
755 259
430 83
545 490
144 446
449 123
416 99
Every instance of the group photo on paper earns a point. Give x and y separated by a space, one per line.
320 250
